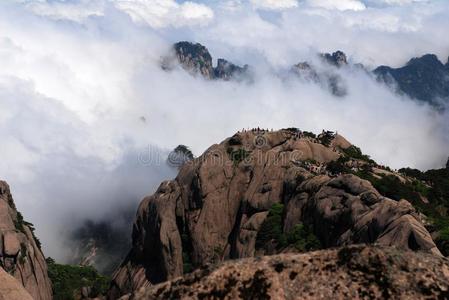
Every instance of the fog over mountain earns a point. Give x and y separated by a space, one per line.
88 116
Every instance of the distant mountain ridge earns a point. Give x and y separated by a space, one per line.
424 78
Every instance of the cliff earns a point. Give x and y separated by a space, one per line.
20 253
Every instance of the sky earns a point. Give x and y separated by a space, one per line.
87 115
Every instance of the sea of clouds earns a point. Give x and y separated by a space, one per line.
83 98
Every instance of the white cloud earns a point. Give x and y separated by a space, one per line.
66 10
162 13
337 4
274 4
392 2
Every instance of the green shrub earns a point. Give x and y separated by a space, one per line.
355 152
238 155
184 150
271 229
68 280
303 239
301 236
292 129
18 224
326 139
338 166
309 134
415 173
392 187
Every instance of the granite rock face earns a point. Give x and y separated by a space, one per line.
354 272
20 253
215 207
11 289
196 59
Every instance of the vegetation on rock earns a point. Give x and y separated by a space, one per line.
301 237
271 229
68 280
237 156
355 152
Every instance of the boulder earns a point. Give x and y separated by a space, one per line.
11 243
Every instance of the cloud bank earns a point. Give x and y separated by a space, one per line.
88 116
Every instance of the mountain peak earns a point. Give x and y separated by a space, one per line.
196 59
424 78
338 58
263 192
427 60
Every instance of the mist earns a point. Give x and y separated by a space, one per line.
88 117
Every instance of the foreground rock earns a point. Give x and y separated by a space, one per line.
355 272
215 208
20 253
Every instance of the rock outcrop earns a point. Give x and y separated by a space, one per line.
196 59
355 272
226 70
20 253
215 207
328 78
337 58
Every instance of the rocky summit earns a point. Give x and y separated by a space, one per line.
196 59
20 254
264 192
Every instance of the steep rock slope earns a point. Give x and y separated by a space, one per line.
424 78
355 272
216 206
20 254
11 289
